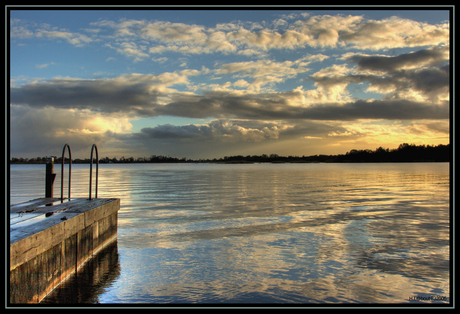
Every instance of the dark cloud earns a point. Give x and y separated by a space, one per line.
139 95
217 130
45 131
222 137
190 106
428 79
413 86
425 80
168 131
52 128
422 73
277 108
347 79
432 56
97 95
139 99
398 109
431 82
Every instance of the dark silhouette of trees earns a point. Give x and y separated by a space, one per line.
404 153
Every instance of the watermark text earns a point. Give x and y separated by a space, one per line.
428 298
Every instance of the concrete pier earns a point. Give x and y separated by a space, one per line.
50 240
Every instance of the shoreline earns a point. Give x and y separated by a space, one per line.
248 162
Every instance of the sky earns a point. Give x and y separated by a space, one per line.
215 83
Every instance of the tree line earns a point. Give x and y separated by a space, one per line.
404 153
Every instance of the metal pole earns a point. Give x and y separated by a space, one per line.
62 171
50 176
91 170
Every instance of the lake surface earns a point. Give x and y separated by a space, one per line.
263 233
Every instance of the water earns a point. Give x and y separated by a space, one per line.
264 233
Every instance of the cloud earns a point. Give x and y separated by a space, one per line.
46 130
394 32
113 133
263 71
160 60
174 33
23 29
112 95
426 84
319 31
131 49
241 97
218 130
261 68
20 29
133 93
419 76
139 39
432 56
153 95
234 131
44 65
389 133
217 136
279 23
72 38
284 106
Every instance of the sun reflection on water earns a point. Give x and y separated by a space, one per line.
310 233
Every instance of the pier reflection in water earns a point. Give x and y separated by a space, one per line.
96 275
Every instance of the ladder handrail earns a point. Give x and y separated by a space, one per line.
91 170
62 171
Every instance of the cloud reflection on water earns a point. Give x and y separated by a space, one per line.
309 233
285 235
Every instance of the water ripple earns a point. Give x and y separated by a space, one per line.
287 233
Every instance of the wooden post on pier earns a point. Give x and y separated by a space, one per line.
49 178
49 240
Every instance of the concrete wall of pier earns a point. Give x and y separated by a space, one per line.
41 261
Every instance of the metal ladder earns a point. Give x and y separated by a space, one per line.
50 177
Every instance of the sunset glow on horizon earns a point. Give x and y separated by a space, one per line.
210 83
